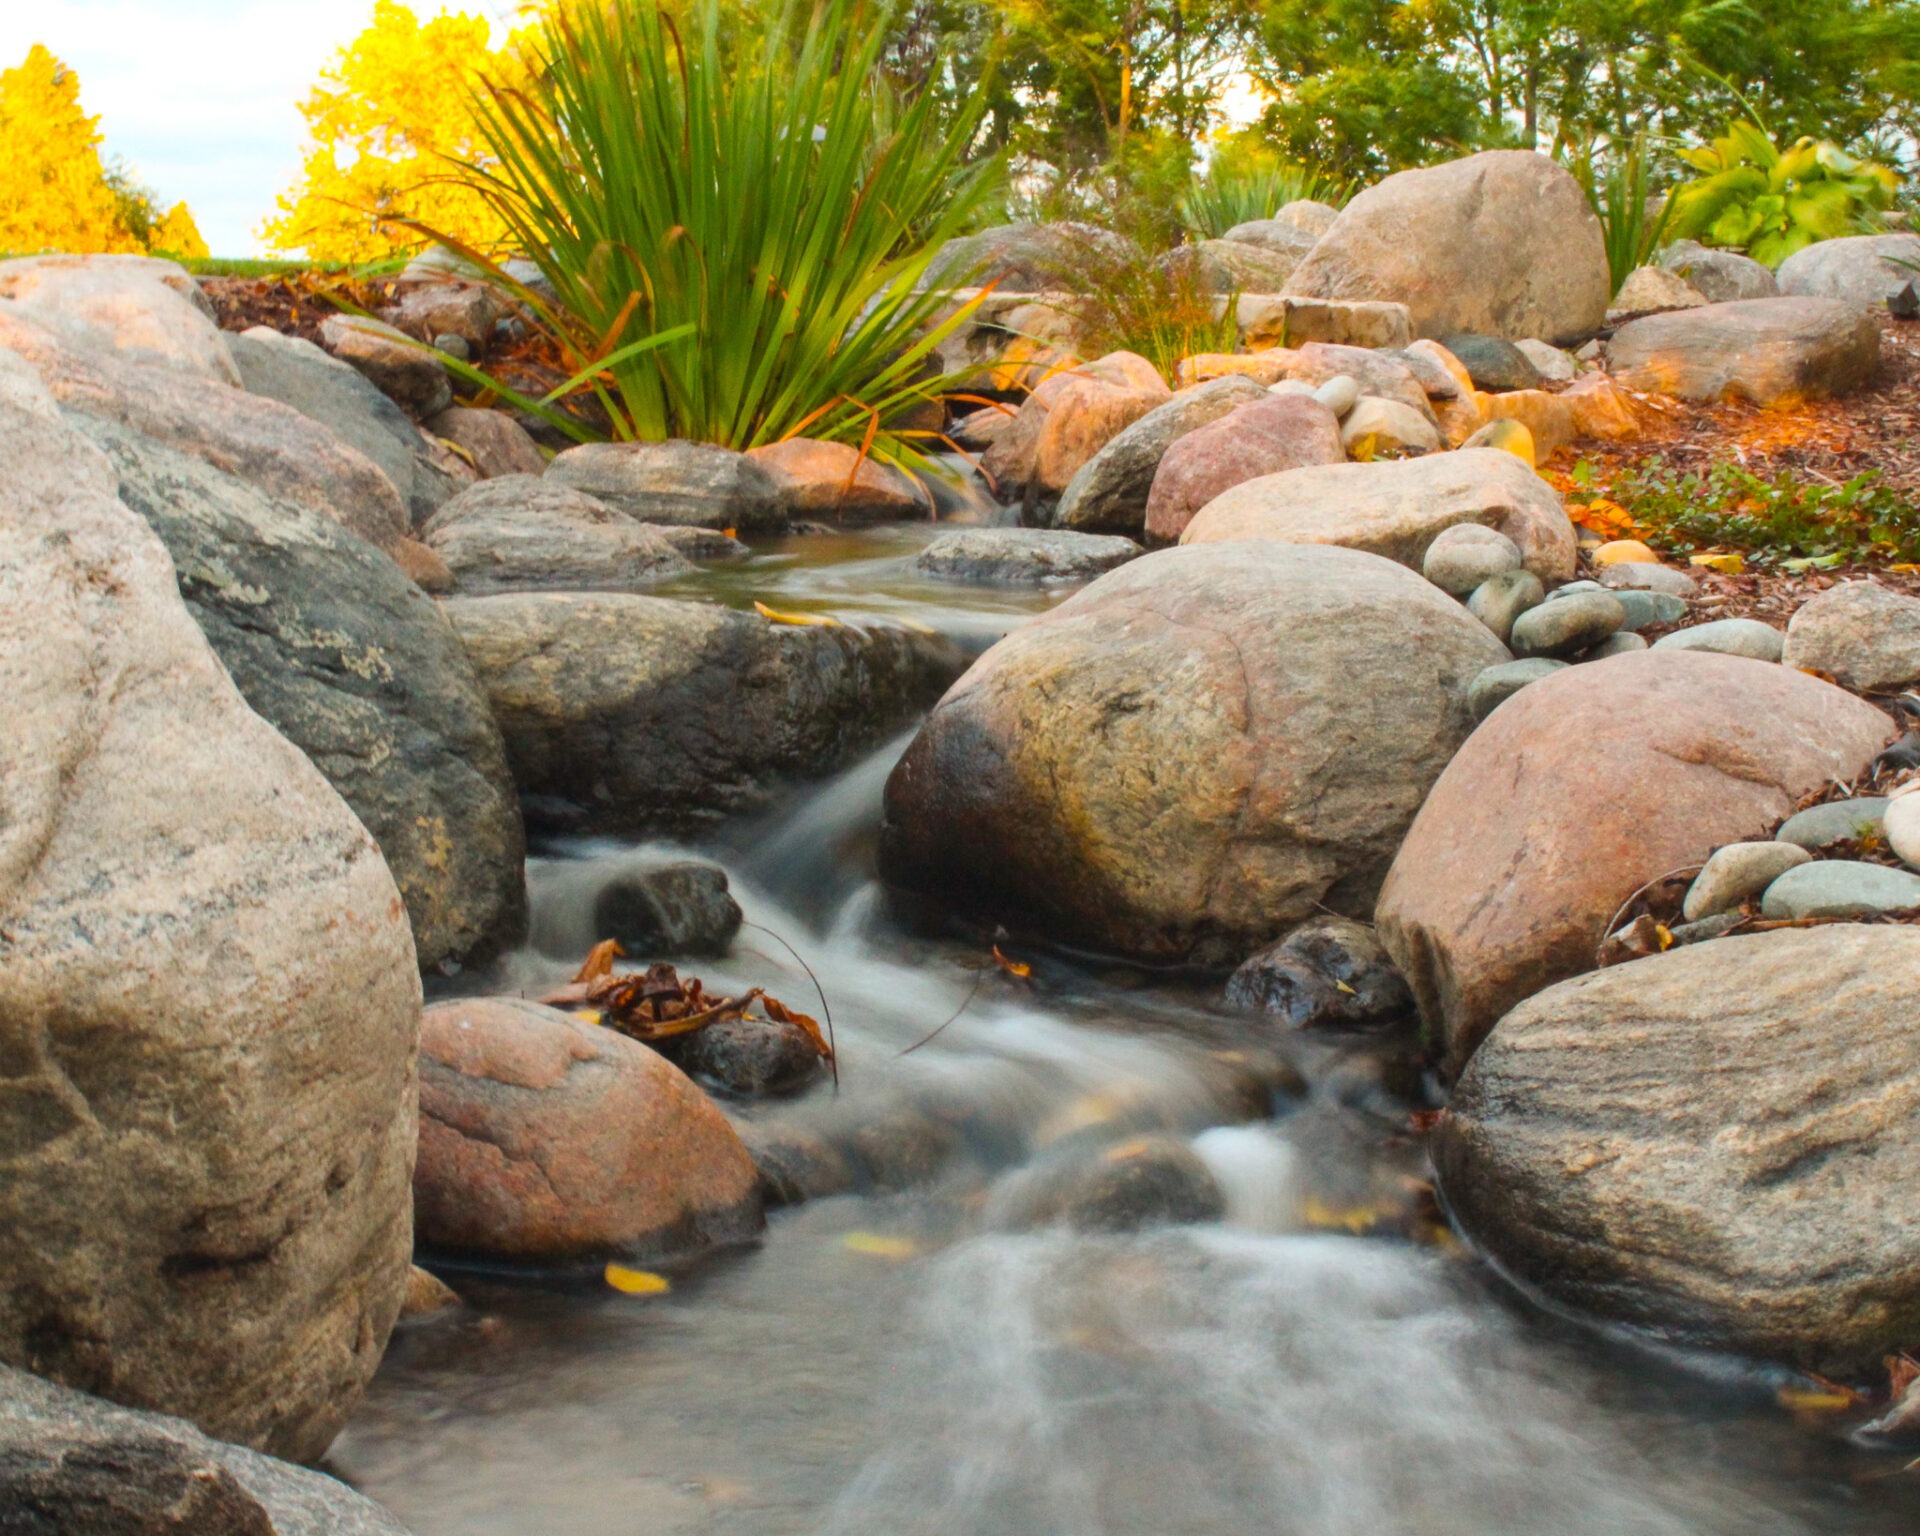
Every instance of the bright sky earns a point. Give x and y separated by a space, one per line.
199 96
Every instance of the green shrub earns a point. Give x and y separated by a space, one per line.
1623 201
736 229
1227 196
1160 307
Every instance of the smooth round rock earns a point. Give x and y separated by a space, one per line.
1508 435
1624 552
1340 394
1378 428
1840 888
751 1058
1901 827
1024 556
1737 872
1493 363
1148 1181
1466 555
1646 609
1567 625
1622 643
1498 601
1636 576
1329 973
1728 637
1863 634
1497 684
1838 821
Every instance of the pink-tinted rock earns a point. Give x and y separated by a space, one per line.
492 441
835 480
1011 464
1262 437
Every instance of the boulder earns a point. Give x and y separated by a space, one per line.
403 369
492 441
1192 754
1237 265
1502 243
525 532
656 907
138 307
1273 320
1860 269
696 485
1263 437
1729 637
644 713
1713 1145
1650 290
345 402
1578 791
1108 494
1023 258
544 1139
1308 216
356 666
1772 352
1863 634
1398 508
1493 363
1329 973
1082 419
79 1466
209 1000
1280 233
1723 276
834 480
1024 556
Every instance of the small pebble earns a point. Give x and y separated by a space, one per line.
1501 681
1339 394
1840 888
1730 637
1838 821
1566 626
1736 872
454 346
1466 555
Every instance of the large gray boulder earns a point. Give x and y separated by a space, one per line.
1024 556
524 532
1861 269
261 441
1502 243
1233 265
1718 1144
208 1003
697 485
1282 233
357 667
138 307
1865 635
1771 352
1398 507
644 713
1023 258
1192 754
1722 276
80 1466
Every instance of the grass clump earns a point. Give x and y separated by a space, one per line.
1161 307
1231 195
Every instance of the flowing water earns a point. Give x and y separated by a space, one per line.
902 1358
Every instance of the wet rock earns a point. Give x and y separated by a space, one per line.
1467 556
1398 508
79 1466
1707 1144
546 1140
1493 363
1859 269
1840 888
136 307
1494 686
1501 244
208 1003
1579 791
1837 821
525 533
1386 429
837 482
1649 290
1727 637
655 907
427 1295
1735 874
1771 352
1723 276
403 369
1148 1181
347 659
748 1057
1861 633
493 440
647 714
693 484
795 1163
1329 973
1261 438
1024 556
1108 494
1566 626
1501 599
1187 757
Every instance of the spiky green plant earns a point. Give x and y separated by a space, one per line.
736 231
1160 307
1623 200
1224 197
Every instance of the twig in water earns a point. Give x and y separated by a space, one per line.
978 977
826 1010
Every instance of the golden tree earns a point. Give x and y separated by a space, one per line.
178 236
386 118
54 194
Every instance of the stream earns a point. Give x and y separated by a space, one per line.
907 1358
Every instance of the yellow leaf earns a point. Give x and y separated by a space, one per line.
1814 1399
876 1246
588 1015
1357 1219
803 620
637 1282
1012 967
1726 565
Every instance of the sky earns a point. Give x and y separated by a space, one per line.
200 97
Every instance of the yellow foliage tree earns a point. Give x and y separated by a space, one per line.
388 113
178 236
53 189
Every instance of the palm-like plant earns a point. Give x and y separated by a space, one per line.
1222 198
735 233
1623 200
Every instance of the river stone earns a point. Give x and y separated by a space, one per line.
1384 375
1713 1144
1501 599
1502 243
1468 555
1262 437
1723 276
1775 353
1580 790
1493 363
1831 888
648 714
1553 365
267 444
1837 821
1108 494
403 369
1340 394
1232 265
1188 757
354 665
654 907
698 485
1729 637
1736 872
1386 429
1652 290
209 998
79 1466
834 480
1565 626
1900 825
1639 576
494 442
1329 973
749 1058
1144 1182
1397 508
1647 609
1620 643
1860 633
138 307
524 532
1024 556
1500 682
1860 269
341 399
547 1140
